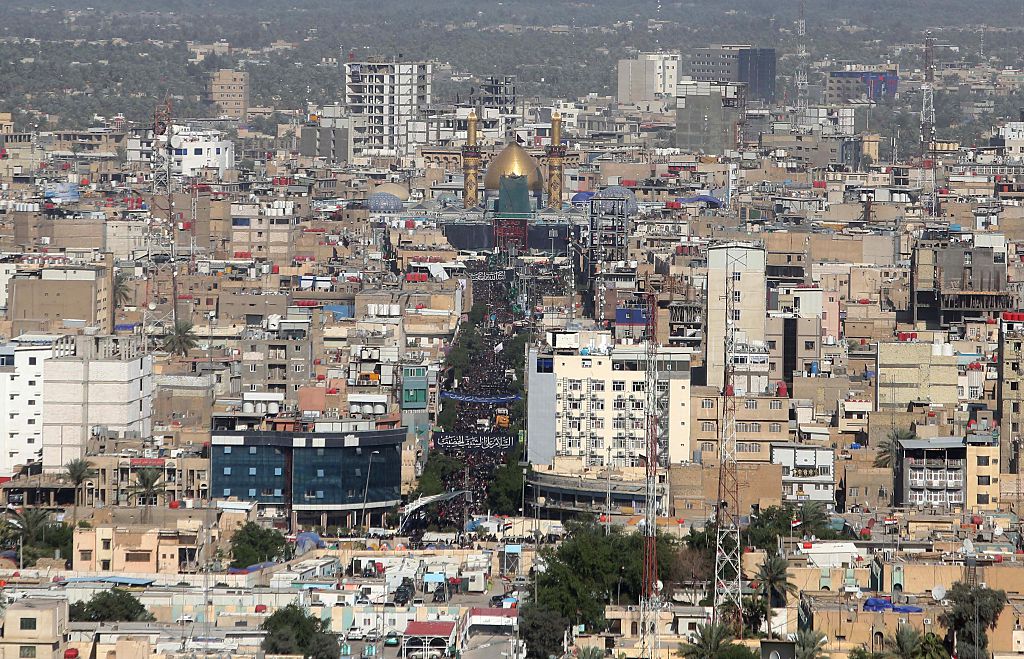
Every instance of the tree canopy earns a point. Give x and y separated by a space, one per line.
291 630
253 544
973 611
115 605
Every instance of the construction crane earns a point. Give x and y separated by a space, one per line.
728 576
650 595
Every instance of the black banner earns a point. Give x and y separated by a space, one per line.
473 441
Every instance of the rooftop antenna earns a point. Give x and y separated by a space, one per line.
801 69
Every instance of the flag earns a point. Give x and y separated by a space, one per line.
793 523
498 348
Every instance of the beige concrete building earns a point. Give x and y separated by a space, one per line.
229 91
911 372
760 421
35 628
51 297
744 265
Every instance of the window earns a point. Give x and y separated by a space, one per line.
808 345
252 471
85 555
639 386
278 471
227 450
750 404
252 491
227 471
736 314
984 480
227 491
707 403
982 460
707 426
982 500
736 275
197 152
618 385
252 450
775 405
546 365
106 544
319 473
27 623
32 362
736 295
598 385
775 427
27 652
824 470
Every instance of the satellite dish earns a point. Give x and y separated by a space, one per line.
968 546
859 594
658 585
998 530
939 593
151 306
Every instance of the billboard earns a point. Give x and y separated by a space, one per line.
473 441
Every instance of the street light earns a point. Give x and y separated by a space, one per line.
366 489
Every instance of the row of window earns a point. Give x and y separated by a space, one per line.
742 426
749 403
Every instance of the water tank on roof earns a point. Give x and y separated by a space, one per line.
248 407
261 408
394 310
273 408
379 408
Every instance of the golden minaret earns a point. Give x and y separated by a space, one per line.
471 166
556 156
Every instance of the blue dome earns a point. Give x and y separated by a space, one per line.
581 197
619 192
384 202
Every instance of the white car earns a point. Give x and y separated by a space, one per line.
355 634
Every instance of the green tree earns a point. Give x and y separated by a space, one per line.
78 471
973 610
253 544
932 647
861 652
146 488
590 653
181 339
505 493
543 629
889 448
120 290
810 644
904 644
439 468
773 577
115 605
30 524
710 641
291 630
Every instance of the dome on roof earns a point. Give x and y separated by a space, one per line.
384 202
396 189
514 161
619 192
447 200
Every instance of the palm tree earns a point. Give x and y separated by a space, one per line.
932 647
181 339
889 447
78 471
590 653
810 644
710 641
904 644
30 524
120 291
813 515
146 487
773 575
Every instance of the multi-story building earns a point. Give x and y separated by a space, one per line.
875 83
47 298
195 150
1010 391
333 134
761 421
808 472
94 383
739 268
600 405
754 67
36 627
389 94
229 91
278 358
21 400
326 471
955 277
949 473
709 115
648 77
912 373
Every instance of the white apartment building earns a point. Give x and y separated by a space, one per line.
196 149
390 95
21 400
94 383
744 264
593 405
808 472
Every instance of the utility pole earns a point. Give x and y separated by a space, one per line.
650 597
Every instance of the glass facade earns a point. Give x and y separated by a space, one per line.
308 470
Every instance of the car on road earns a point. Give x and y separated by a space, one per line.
355 634
372 636
392 640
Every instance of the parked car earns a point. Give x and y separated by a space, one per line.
372 636
355 634
392 640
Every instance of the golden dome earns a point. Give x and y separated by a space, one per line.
514 161
396 189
